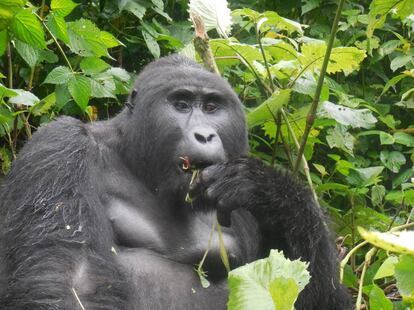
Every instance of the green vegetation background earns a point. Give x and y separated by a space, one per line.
79 59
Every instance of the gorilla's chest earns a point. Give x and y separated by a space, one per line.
182 238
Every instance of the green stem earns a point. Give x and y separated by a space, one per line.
305 163
9 65
57 44
311 115
269 75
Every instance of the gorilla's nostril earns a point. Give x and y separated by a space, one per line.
200 138
210 137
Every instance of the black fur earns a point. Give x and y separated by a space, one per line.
95 213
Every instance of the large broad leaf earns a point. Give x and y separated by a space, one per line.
269 20
355 118
152 44
26 27
59 75
87 40
400 242
29 53
340 138
93 65
393 160
132 6
404 139
268 109
44 105
267 284
380 8
215 15
346 59
24 97
404 273
62 7
378 300
80 89
57 26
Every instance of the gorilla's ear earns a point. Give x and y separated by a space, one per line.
130 99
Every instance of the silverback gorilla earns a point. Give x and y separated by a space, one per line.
95 214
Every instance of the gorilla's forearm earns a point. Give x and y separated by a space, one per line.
289 220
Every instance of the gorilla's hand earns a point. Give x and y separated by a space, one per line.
240 183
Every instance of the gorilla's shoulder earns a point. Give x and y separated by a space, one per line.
57 141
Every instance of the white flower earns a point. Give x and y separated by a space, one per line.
214 13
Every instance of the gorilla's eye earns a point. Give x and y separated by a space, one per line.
209 107
182 106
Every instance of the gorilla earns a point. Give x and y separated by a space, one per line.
94 215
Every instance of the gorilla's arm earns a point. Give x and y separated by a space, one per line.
56 244
288 217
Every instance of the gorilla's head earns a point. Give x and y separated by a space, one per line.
178 109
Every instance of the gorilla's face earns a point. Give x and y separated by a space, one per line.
199 114
183 111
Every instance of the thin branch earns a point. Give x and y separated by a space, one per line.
311 115
202 44
9 65
302 158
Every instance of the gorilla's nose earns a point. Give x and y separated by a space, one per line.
204 137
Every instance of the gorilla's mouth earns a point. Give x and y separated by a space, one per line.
189 165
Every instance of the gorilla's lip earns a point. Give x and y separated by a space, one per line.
188 164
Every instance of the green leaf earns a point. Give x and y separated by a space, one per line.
109 40
3 42
392 160
284 293
93 65
59 75
404 273
62 95
244 53
338 137
404 139
400 241
6 15
346 59
392 82
321 169
103 89
268 109
24 97
152 44
44 105
80 90
377 194
400 61
63 7
57 26
132 6
378 300
29 53
380 8
387 268
267 283
7 92
355 118
6 116
86 39
386 138
27 28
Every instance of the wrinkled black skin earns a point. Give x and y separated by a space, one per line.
98 209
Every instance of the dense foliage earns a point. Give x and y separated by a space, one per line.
78 59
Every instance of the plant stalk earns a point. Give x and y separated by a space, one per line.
311 115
